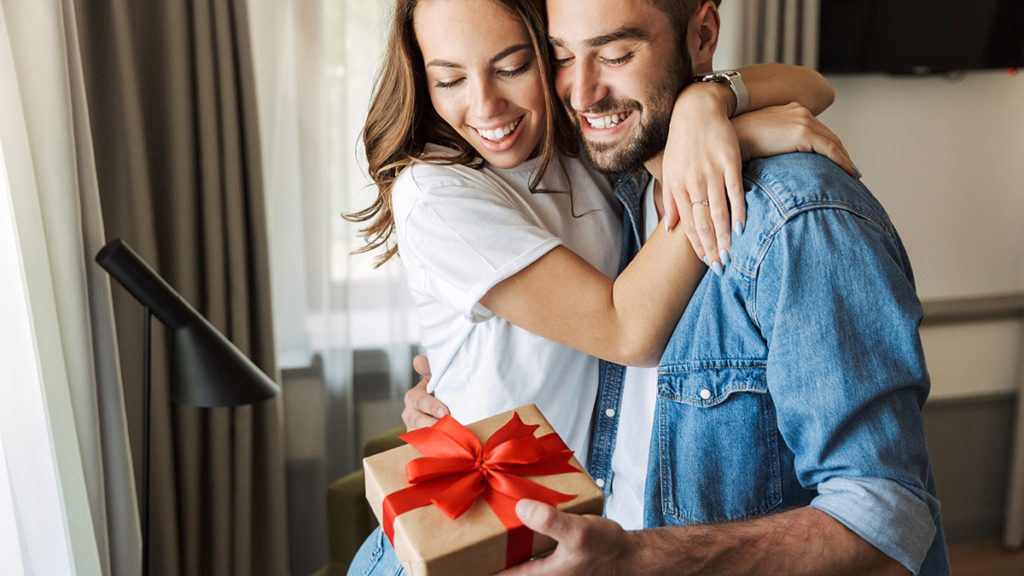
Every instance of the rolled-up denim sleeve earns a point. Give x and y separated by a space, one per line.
835 300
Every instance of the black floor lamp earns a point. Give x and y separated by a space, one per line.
207 370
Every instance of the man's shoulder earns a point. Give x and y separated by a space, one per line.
789 184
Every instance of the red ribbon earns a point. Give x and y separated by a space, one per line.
456 470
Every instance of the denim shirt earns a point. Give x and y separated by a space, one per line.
797 377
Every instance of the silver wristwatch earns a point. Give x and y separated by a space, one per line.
735 82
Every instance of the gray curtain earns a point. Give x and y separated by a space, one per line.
48 156
172 105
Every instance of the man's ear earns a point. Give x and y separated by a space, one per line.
702 37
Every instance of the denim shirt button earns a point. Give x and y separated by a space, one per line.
610 412
705 394
599 482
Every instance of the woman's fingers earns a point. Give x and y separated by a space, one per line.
700 208
671 209
825 142
718 209
737 199
686 221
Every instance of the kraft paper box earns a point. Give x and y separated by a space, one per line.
429 543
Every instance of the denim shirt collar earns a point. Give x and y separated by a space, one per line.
629 189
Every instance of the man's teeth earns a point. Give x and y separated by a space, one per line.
606 121
499 134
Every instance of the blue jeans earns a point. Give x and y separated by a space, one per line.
376 556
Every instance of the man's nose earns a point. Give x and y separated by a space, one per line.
587 89
488 102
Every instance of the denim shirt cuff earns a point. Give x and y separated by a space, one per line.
886 514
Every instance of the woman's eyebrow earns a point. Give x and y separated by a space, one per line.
496 58
509 51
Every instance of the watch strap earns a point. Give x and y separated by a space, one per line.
735 81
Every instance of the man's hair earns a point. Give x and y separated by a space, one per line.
679 13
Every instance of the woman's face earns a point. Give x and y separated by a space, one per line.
483 77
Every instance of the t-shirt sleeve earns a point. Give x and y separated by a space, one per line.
459 236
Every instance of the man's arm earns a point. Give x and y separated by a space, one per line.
802 541
835 302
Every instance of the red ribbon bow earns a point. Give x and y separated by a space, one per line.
456 469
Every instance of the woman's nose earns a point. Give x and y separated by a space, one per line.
488 101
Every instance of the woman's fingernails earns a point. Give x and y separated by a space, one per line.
705 259
856 170
737 227
725 258
717 268
667 229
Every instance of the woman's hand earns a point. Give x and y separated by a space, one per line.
702 173
790 128
421 408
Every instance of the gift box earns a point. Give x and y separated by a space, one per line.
447 499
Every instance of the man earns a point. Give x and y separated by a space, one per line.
786 433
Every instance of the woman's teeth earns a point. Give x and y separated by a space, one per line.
606 121
499 134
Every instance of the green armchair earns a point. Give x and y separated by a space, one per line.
349 518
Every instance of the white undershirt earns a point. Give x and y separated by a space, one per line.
625 502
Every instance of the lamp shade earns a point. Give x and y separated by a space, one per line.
206 368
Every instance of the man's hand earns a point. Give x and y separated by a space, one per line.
586 544
421 408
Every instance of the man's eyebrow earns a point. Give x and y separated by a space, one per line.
496 58
598 41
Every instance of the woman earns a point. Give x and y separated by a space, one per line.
510 242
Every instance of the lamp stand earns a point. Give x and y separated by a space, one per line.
206 369
146 379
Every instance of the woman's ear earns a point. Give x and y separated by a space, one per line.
702 37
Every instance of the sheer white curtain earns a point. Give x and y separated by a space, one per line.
315 61
315 64
62 425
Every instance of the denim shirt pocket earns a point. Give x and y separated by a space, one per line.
717 442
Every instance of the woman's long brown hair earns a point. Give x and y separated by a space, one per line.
402 119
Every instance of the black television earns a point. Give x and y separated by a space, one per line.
920 36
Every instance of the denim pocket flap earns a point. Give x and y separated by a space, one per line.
707 384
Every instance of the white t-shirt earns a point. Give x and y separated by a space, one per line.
460 232
625 502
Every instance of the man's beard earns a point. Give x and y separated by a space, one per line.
649 136
646 142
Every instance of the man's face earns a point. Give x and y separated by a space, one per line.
617 71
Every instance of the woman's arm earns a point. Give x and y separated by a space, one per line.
702 159
563 298
778 84
628 321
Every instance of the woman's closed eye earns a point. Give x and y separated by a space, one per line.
512 72
448 83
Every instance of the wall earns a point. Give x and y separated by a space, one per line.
946 158
945 155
